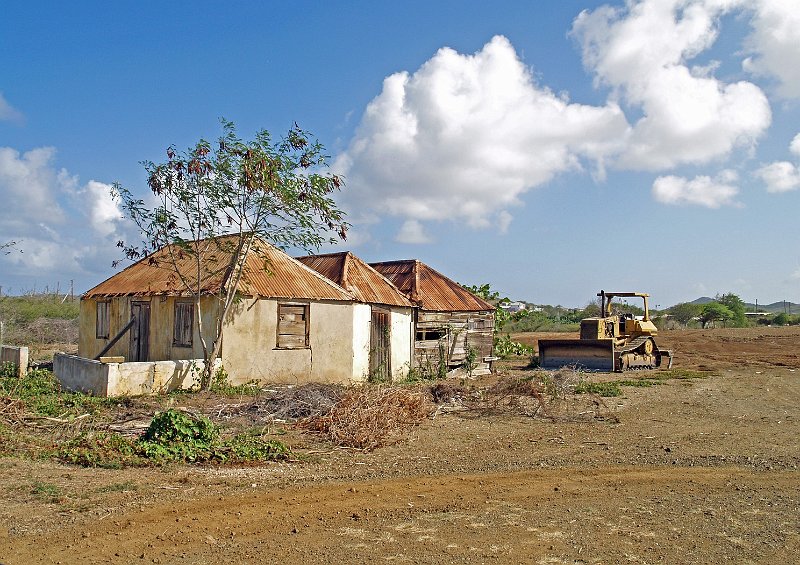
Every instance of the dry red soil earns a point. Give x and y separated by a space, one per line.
690 471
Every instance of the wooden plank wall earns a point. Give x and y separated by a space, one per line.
460 330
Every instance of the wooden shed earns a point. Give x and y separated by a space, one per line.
450 322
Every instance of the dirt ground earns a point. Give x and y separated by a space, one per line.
691 471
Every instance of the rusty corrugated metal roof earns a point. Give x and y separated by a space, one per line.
268 273
429 288
358 278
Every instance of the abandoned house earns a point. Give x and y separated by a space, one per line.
292 325
391 336
450 322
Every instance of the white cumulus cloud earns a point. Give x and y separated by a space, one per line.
60 225
413 232
794 146
781 176
104 211
8 112
700 191
30 182
465 135
775 42
644 53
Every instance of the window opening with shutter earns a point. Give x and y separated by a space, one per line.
184 324
292 326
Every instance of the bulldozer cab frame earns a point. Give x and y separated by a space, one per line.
607 297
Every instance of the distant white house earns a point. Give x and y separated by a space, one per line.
513 306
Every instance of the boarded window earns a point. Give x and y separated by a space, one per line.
477 324
292 326
184 324
102 325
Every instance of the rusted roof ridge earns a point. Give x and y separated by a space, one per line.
364 282
429 288
345 268
292 280
321 277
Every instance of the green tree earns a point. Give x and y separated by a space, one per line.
685 312
715 312
735 305
258 189
781 319
485 291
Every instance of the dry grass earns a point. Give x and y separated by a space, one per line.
371 416
548 395
520 395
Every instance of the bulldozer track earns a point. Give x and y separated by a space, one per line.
634 344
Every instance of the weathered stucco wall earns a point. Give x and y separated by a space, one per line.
362 327
118 379
401 326
162 320
338 350
17 356
250 352
402 342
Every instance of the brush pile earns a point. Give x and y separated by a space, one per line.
372 416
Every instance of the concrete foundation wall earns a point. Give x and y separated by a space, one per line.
17 356
118 379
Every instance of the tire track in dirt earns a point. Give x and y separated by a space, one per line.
525 515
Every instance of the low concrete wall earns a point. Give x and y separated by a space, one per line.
18 356
118 379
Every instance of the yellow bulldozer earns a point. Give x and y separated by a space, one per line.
609 342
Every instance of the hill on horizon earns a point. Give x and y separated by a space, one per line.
773 308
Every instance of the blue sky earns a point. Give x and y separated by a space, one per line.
549 148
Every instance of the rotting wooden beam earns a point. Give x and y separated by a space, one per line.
116 338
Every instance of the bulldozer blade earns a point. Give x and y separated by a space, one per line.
588 354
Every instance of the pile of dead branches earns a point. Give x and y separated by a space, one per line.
539 394
518 395
12 411
370 417
287 404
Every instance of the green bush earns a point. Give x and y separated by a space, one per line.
781 319
174 436
504 346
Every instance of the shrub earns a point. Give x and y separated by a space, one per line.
781 319
504 346
174 436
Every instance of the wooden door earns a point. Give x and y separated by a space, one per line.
140 331
380 340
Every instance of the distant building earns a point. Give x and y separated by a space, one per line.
513 306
